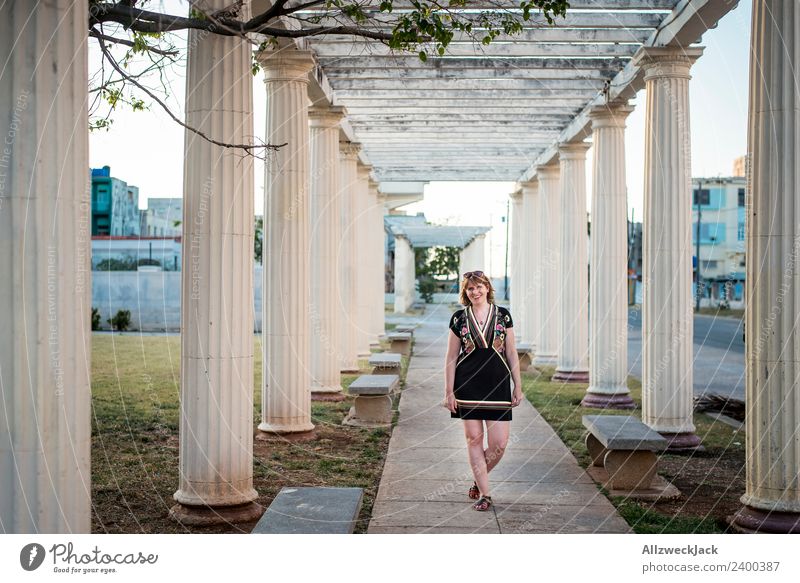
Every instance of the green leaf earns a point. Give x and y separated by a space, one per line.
423 56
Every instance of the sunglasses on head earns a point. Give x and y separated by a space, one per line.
473 274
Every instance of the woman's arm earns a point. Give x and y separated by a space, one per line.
453 348
513 359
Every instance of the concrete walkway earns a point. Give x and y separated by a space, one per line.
538 486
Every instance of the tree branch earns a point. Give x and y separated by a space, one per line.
96 34
248 148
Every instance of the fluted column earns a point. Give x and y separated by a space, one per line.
573 355
286 395
346 299
608 287
377 271
667 325
363 273
772 489
403 274
515 254
529 260
326 232
216 424
548 227
45 277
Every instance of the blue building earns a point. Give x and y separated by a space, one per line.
115 205
718 217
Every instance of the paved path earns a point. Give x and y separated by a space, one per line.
538 486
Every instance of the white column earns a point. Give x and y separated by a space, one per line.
363 274
403 274
573 356
548 227
325 237
216 424
772 490
527 323
346 301
286 395
514 255
608 286
45 277
376 248
667 325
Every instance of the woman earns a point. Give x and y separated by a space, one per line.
481 362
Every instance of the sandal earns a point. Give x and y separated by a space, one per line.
474 493
483 504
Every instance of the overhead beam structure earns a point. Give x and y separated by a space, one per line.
493 112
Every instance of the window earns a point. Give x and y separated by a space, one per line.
741 197
704 195
740 232
710 233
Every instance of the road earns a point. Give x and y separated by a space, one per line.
718 354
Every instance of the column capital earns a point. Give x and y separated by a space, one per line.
548 171
326 117
666 62
363 170
573 150
286 65
516 194
612 115
349 150
529 187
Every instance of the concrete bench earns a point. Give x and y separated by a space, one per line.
405 328
373 402
385 363
525 353
625 447
312 511
400 342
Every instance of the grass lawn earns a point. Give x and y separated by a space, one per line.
711 482
721 313
135 396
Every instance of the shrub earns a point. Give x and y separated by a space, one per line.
95 319
426 286
121 320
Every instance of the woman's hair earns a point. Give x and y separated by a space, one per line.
465 281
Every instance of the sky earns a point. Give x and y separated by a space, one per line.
146 149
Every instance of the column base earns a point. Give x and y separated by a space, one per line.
545 359
755 520
571 376
682 442
331 395
608 401
213 515
281 429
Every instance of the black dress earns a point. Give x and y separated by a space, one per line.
482 385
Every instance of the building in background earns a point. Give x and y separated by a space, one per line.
162 217
115 205
718 216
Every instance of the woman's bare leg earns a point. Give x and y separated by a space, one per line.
498 440
473 430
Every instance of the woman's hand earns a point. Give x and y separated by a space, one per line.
450 402
517 397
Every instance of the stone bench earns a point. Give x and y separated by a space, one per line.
405 328
525 353
625 447
373 401
312 511
400 342
385 363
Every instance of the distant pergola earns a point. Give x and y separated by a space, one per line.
411 232
356 120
